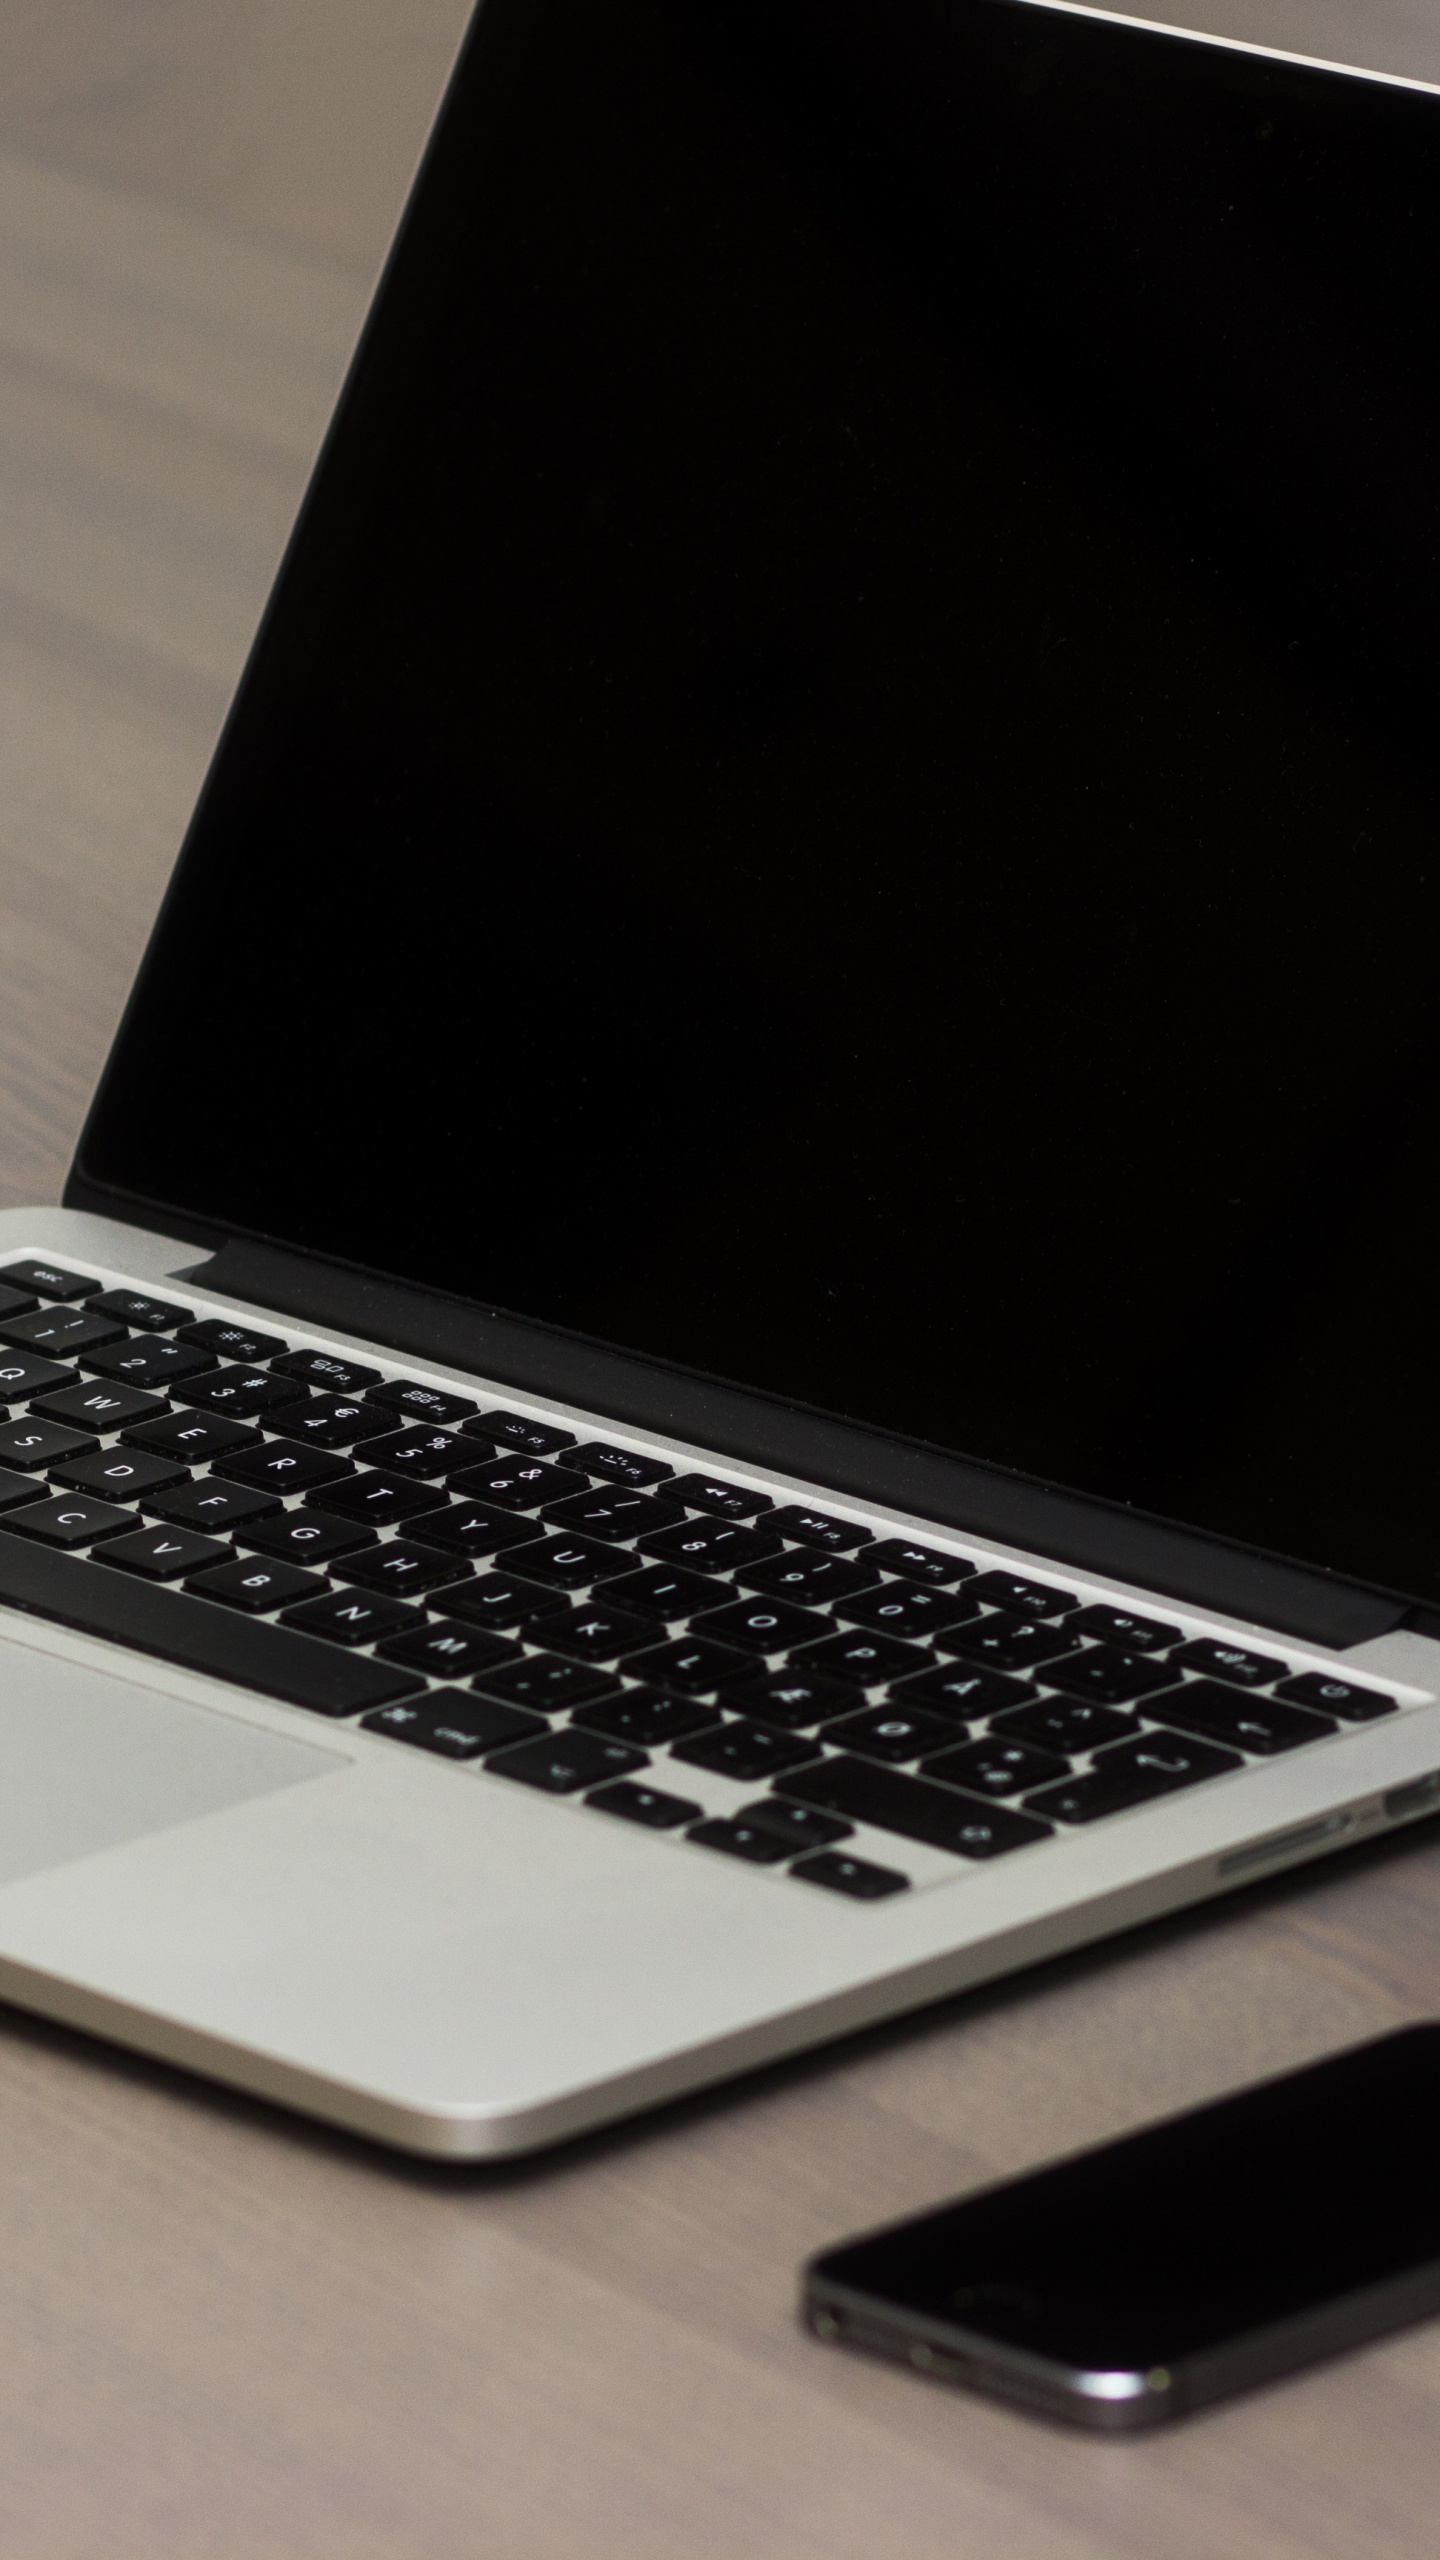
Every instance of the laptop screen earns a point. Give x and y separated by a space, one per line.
842 788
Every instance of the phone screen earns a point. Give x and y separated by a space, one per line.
1255 2217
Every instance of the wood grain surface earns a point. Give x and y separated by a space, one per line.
225 2333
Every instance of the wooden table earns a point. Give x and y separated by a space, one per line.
221 2331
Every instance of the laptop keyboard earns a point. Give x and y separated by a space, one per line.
582 1618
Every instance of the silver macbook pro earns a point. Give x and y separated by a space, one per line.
744 1331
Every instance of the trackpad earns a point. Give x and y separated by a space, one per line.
88 1760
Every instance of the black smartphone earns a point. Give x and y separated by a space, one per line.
1136 2282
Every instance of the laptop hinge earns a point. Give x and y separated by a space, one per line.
1097 1537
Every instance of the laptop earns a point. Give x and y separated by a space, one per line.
744 1332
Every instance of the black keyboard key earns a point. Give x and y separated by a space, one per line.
691 1663
906 1609
157 1366
92 1406
762 1626
418 1401
740 1840
890 1733
1067 1725
560 1764
1131 1773
996 1767
323 1422
918 1564
817 1529
649 1806
618 1466
858 1655
570 1563
157 1619
808 1579
723 1547
164 1554
306 1537
251 1394
285 1467
23 1375
800 1824
745 1751
1027 1599
193 1437
250 1584
61 1333
69 1520
419 1451
394 1565
612 1511
1332 1697
449 1650
1232 1662
16 1302
591 1631
663 1592
891 1800
231 1341
142 1313
645 1717
727 1501
33 1443
519 1484
469 1529
334 1371
17 1489
119 1475
379 1500
1238 1718
857 1877
37 1440
210 1503
795 1699
1124 1628
352 1617
953 1689
456 1724
1009 1643
504 1600
49 1280
547 1681
1110 1676
520 1431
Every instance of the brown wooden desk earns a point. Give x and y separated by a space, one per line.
222 2332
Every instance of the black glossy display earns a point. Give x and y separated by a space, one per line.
1191 2235
844 786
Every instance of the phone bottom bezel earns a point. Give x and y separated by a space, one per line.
1114 2403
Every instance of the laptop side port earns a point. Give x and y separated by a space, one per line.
1420 1795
